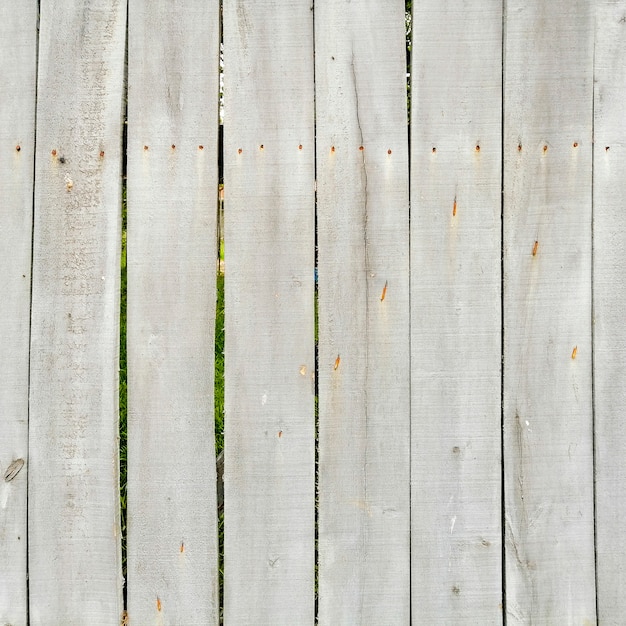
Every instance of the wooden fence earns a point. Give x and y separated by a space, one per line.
468 354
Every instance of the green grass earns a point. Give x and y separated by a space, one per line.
219 405
219 366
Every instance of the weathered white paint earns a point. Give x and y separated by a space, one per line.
609 302
269 478
171 260
18 56
363 240
455 320
73 506
548 456
455 313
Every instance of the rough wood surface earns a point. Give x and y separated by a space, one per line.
455 313
18 57
172 262
73 493
363 240
269 478
548 421
609 294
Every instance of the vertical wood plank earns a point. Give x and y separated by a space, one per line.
73 507
363 238
18 59
172 264
609 301
455 313
269 477
548 419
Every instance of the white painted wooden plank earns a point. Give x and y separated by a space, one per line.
609 302
548 94
18 57
269 479
73 507
172 264
363 239
455 313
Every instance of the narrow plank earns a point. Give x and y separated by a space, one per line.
363 239
455 313
269 478
609 301
548 453
172 263
18 58
73 506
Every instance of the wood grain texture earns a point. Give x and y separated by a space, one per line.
18 58
73 507
455 313
548 97
609 301
269 479
172 264
362 195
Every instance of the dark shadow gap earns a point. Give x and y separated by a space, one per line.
408 24
316 343
593 335
123 393
502 312
30 325
220 311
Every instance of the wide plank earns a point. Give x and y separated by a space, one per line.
172 262
363 268
609 303
548 419
456 79
18 60
73 494
269 471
